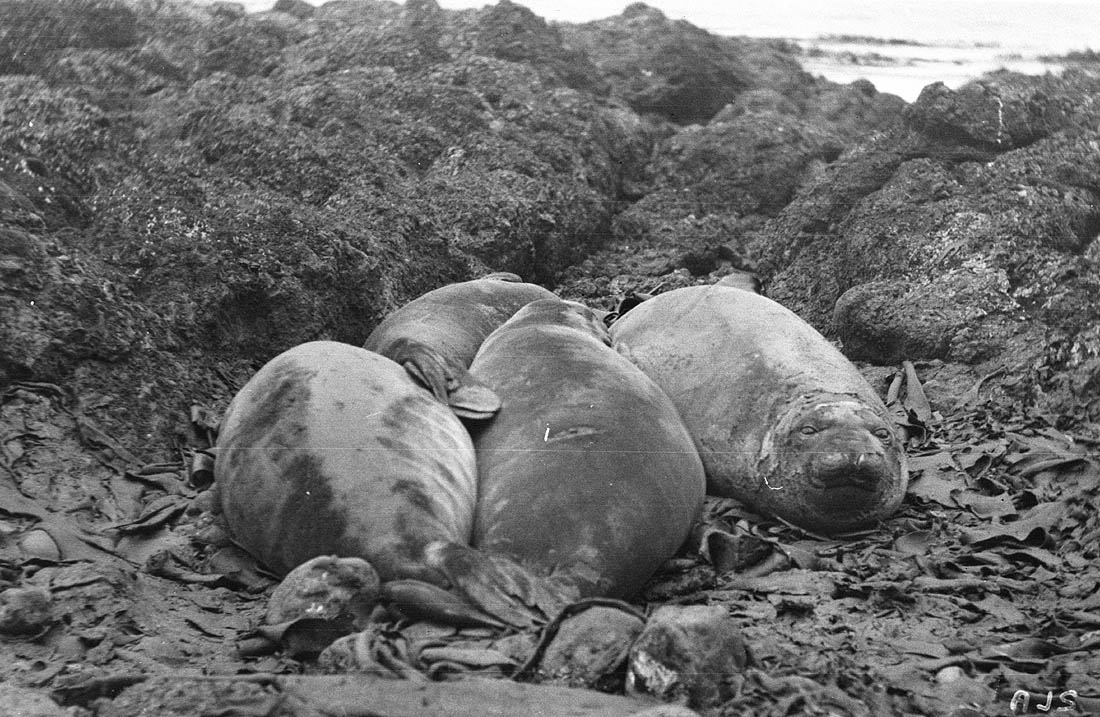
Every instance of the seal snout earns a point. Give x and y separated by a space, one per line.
865 470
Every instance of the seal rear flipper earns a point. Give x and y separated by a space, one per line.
473 400
500 586
419 600
450 383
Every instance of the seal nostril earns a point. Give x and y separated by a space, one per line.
861 470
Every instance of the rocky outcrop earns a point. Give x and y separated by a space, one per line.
676 70
189 190
709 189
968 234
185 191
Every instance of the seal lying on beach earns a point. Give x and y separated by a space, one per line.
587 475
782 420
455 319
332 449
436 335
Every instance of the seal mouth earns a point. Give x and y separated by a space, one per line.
858 472
847 500
857 478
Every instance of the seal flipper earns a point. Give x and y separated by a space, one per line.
500 586
451 384
417 599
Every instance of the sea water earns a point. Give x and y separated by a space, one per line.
903 45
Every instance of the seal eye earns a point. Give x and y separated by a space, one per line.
882 433
807 430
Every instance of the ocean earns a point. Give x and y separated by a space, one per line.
899 45
903 45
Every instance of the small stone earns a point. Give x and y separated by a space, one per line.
24 611
38 544
71 648
666 711
687 654
591 646
949 674
326 588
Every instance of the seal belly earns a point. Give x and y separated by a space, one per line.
587 470
332 449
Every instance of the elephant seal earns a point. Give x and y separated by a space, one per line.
333 449
455 319
587 475
436 335
782 420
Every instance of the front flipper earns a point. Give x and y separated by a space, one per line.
418 600
500 586
450 383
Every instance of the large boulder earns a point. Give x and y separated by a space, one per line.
969 234
676 70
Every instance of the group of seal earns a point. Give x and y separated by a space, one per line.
586 452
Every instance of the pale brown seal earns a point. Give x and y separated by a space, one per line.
782 420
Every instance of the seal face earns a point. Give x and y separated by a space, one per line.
332 449
587 472
782 420
455 319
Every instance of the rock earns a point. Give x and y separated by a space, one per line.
1003 112
957 237
38 544
35 33
687 653
326 588
589 648
280 180
676 70
25 702
511 32
886 322
298 8
24 611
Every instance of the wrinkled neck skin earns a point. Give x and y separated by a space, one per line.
831 464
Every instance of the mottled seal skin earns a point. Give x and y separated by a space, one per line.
782 420
587 472
454 320
332 449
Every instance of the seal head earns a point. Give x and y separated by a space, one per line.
455 319
782 420
837 464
